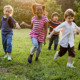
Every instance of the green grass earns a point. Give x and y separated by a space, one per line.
45 69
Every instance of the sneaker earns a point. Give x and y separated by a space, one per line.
70 65
30 58
9 58
56 56
5 56
36 59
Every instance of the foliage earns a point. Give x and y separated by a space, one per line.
23 11
51 6
77 17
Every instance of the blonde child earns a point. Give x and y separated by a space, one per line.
7 24
39 30
66 42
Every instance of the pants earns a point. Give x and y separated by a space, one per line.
37 46
55 39
70 50
7 42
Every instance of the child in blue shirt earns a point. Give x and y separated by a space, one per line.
7 24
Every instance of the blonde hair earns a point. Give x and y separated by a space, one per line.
69 12
10 9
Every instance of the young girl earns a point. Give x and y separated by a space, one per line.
66 42
7 24
39 30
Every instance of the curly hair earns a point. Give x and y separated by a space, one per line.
34 8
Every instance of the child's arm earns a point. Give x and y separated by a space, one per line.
26 25
45 26
57 29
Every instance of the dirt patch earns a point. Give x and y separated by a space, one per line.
3 70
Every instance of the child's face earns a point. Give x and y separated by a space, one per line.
69 19
55 18
39 10
7 12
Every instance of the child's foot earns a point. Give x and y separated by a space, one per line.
9 58
56 56
30 58
36 59
70 65
5 56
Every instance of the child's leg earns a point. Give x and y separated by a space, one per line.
4 42
50 42
55 42
61 52
71 55
38 51
9 46
33 49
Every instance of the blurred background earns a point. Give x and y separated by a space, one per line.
23 11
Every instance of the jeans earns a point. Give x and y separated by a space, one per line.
37 46
55 39
7 42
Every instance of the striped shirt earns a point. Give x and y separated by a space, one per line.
38 31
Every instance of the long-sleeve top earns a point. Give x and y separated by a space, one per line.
67 33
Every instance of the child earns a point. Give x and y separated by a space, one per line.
7 24
39 30
66 42
53 24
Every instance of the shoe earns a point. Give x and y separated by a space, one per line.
70 65
56 56
36 59
9 58
5 56
30 58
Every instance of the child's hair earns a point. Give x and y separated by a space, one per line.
69 12
55 14
10 9
34 8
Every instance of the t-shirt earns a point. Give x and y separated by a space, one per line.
38 28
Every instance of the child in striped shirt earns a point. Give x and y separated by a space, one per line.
39 30
53 24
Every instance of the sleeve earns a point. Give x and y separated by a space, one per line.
12 20
59 28
76 28
32 20
46 19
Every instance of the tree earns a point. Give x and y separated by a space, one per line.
51 6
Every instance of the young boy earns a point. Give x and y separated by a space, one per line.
66 42
7 24
53 24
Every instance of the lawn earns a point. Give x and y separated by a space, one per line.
45 69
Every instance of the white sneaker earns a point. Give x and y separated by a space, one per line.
9 58
56 56
5 56
70 65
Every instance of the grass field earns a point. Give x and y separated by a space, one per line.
45 69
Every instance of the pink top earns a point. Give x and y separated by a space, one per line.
38 28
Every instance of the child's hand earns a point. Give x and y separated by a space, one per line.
77 33
17 26
23 23
44 41
48 37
